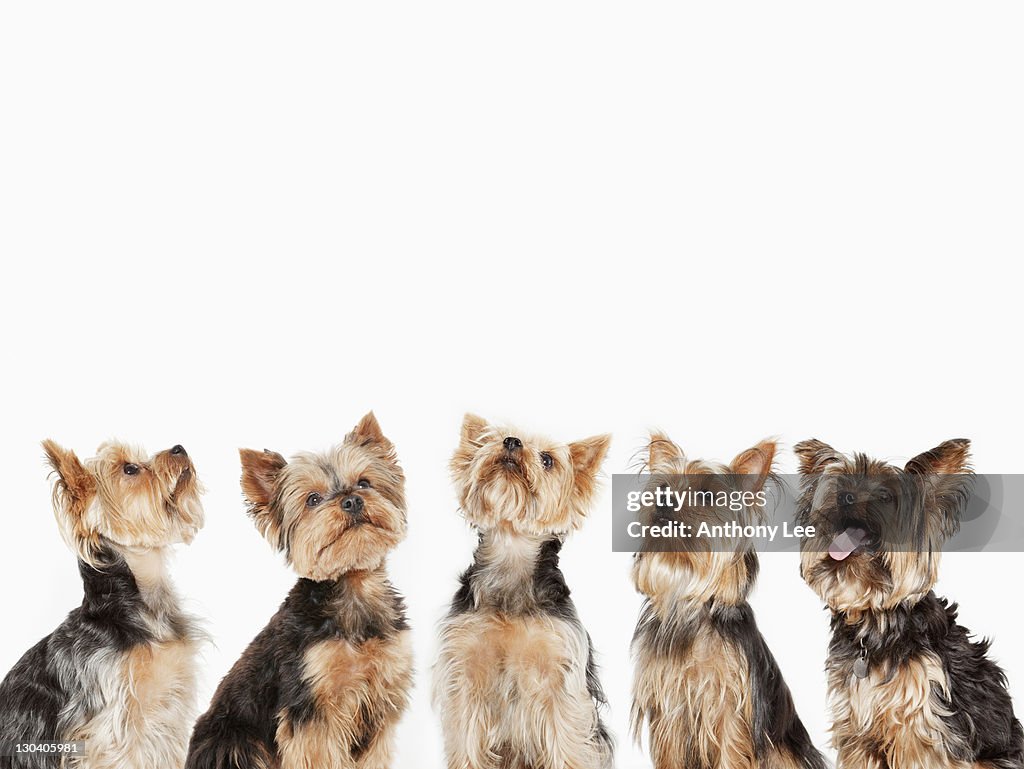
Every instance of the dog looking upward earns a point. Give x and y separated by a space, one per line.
515 683
118 674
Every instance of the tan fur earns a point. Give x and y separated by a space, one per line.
893 718
96 500
698 707
873 582
515 686
145 696
510 682
322 543
354 686
149 695
526 495
893 715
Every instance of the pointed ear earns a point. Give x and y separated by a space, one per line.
587 456
948 457
661 452
815 455
755 464
947 471
72 492
260 472
73 480
472 428
368 433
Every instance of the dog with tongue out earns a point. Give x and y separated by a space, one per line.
909 689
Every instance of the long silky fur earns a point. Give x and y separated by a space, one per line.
549 716
86 681
270 694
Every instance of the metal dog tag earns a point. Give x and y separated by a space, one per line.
860 667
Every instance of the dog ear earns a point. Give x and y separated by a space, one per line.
950 457
947 471
755 464
815 455
368 433
661 452
73 480
587 456
72 492
260 473
469 441
472 428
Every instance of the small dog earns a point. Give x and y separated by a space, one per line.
515 683
326 681
706 683
119 672
908 687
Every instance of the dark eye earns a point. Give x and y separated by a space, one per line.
130 468
362 483
847 498
884 496
547 460
313 500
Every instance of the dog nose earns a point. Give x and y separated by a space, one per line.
178 449
352 504
511 444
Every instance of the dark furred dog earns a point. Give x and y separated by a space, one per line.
326 682
909 688
119 673
515 683
706 684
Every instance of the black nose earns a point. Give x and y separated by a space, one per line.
511 444
179 449
352 504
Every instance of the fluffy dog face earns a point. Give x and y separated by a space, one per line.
700 573
333 512
124 498
880 528
529 483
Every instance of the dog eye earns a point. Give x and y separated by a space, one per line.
847 498
313 500
362 483
131 468
547 460
884 496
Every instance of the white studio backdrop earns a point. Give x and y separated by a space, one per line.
228 225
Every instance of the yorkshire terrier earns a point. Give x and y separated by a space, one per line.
706 684
515 683
325 683
118 674
908 687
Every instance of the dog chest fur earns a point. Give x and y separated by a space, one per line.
360 692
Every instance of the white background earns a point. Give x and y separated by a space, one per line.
246 224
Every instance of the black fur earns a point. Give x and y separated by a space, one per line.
242 720
50 678
981 709
775 720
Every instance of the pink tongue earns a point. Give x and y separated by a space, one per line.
846 543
